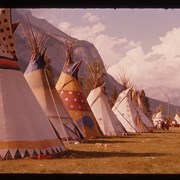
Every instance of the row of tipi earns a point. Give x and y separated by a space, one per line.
37 116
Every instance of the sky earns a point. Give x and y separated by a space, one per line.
144 43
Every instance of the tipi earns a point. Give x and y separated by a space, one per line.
127 114
177 119
44 90
25 129
157 117
71 92
140 108
107 120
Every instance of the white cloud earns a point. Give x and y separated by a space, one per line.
169 44
160 67
88 32
82 33
91 18
64 26
104 43
132 64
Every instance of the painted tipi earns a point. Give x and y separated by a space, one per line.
43 87
71 92
25 129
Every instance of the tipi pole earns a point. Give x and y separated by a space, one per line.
56 106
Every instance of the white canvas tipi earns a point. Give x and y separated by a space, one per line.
44 90
107 120
25 129
98 102
157 118
127 114
140 108
177 118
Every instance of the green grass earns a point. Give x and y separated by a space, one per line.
145 153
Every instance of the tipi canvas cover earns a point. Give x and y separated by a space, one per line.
127 114
24 127
138 105
157 118
142 106
177 118
107 120
70 91
48 97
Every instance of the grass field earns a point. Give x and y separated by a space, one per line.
145 153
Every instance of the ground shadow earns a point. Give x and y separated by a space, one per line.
111 142
161 132
115 140
95 154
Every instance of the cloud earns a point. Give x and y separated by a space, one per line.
132 65
104 43
169 44
95 35
91 18
88 32
64 26
160 67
